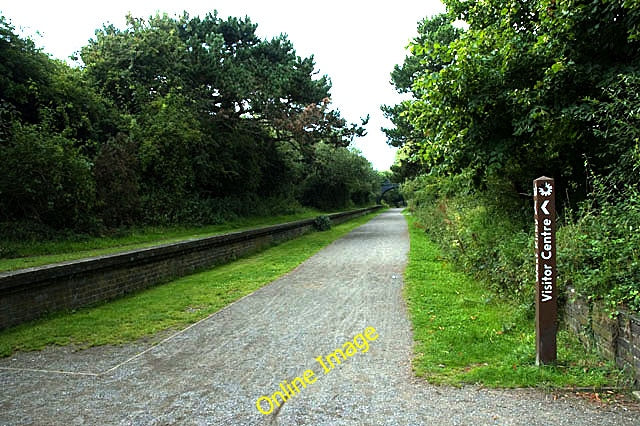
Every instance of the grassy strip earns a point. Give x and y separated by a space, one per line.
173 305
466 335
27 254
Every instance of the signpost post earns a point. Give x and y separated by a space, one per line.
546 292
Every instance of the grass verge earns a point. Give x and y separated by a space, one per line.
464 334
173 305
26 254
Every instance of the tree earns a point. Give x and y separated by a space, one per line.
429 55
117 175
169 137
338 178
51 122
23 68
241 95
44 179
170 119
521 92
134 66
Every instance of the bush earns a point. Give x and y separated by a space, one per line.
492 238
599 252
201 210
45 179
116 173
340 178
322 223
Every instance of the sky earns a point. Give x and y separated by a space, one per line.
356 43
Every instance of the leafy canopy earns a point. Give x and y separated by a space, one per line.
528 88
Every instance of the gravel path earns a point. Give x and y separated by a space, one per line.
215 371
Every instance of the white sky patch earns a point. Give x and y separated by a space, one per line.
357 43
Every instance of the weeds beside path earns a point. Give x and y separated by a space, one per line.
466 334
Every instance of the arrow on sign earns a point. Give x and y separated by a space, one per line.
543 207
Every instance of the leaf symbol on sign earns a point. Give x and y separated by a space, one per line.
548 189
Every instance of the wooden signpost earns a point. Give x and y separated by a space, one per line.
546 292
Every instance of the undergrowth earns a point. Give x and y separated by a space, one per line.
490 235
467 334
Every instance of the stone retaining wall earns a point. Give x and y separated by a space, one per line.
617 339
30 293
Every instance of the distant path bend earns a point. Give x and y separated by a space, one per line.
214 372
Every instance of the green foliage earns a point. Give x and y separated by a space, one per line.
168 135
50 122
23 71
429 51
392 198
616 118
117 175
226 72
465 334
170 120
322 223
339 178
526 90
136 65
597 252
600 251
474 230
44 178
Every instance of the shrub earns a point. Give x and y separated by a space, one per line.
116 173
598 252
322 223
45 179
